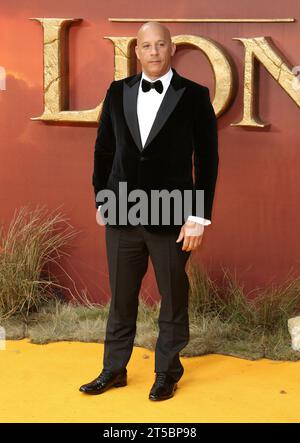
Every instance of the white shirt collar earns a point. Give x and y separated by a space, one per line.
165 79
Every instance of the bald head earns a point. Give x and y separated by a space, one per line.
154 49
152 27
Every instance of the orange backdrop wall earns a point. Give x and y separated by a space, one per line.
255 226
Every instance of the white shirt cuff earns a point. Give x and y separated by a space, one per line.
200 220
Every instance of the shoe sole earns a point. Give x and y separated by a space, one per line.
163 398
120 384
116 385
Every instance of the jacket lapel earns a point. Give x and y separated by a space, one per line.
170 100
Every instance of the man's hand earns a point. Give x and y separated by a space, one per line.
99 218
192 233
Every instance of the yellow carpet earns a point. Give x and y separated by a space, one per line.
39 383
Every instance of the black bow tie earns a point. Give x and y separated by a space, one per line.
146 86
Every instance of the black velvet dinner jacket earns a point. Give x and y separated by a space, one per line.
184 133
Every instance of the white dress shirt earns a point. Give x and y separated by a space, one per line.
148 104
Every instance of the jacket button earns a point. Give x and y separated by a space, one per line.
143 158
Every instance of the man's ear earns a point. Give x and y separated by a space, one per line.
136 52
174 47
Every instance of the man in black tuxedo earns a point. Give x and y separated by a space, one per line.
154 127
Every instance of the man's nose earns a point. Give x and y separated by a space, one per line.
154 50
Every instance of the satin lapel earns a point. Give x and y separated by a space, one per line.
130 92
170 100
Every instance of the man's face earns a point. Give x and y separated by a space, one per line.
154 51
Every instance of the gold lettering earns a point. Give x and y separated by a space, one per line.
124 56
263 49
221 65
56 100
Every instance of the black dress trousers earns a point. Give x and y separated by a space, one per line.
128 250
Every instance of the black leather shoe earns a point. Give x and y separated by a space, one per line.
163 387
104 381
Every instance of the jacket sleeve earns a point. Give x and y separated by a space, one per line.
206 158
105 147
